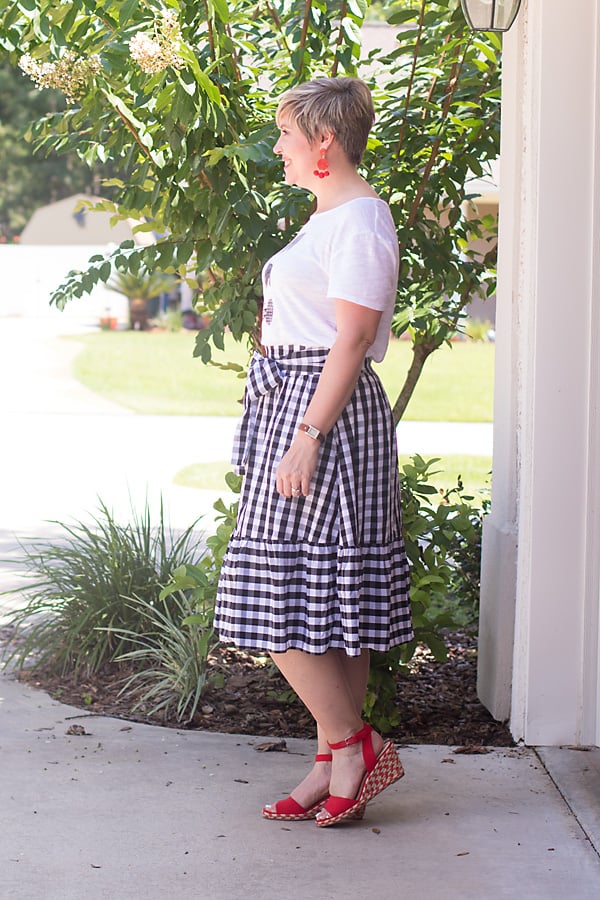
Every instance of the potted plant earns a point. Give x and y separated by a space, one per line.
108 322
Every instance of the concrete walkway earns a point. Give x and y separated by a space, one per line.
129 811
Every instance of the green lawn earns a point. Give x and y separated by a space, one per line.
474 472
155 373
457 383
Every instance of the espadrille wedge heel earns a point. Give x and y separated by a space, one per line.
381 771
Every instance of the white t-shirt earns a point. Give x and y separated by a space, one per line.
350 253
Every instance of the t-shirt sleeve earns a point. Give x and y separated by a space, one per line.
364 269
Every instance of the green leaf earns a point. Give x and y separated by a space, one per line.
221 8
127 10
400 16
105 270
351 30
358 8
437 647
204 82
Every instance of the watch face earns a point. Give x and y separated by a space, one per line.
312 432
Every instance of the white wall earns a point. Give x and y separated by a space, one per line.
28 274
541 561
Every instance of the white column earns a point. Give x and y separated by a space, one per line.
540 561
499 551
590 731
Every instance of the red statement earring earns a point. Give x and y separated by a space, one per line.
322 170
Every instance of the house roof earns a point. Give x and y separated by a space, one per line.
59 224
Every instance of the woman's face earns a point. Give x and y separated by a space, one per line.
298 156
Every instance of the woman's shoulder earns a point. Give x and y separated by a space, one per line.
367 212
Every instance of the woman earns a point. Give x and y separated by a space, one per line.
315 573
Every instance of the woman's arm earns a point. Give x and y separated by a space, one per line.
356 330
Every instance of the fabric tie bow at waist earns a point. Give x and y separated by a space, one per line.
264 375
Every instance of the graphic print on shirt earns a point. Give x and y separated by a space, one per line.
268 300
267 296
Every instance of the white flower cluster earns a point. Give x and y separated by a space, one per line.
154 54
70 74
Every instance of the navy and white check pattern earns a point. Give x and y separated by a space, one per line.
328 570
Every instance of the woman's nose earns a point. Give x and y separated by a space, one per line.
276 147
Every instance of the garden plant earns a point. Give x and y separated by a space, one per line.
78 615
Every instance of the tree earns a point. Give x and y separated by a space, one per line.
181 96
29 180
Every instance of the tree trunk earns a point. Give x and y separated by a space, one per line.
420 353
138 314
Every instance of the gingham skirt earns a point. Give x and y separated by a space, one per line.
328 570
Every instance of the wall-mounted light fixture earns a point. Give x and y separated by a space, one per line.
490 15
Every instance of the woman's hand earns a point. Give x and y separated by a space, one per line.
297 467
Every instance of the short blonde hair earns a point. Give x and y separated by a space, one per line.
341 105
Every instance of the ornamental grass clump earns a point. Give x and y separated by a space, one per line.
78 613
172 656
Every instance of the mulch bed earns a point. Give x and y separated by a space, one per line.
436 701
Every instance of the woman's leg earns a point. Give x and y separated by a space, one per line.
321 682
316 784
356 672
332 686
356 669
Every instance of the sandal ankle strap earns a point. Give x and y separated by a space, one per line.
361 735
323 757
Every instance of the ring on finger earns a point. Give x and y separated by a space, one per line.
296 490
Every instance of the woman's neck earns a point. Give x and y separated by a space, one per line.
340 187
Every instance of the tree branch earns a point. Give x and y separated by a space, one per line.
136 136
303 36
451 87
411 81
421 352
338 44
211 36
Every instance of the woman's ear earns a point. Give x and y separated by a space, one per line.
327 138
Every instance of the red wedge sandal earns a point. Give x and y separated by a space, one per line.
289 810
382 770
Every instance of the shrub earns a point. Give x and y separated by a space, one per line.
464 584
442 531
439 538
78 612
139 594
175 650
